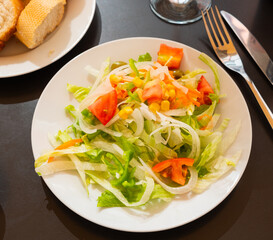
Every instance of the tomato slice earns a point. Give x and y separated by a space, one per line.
204 86
175 168
171 56
205 89
152 92
104 107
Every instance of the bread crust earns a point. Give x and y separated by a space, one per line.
5 36
33 18
25 2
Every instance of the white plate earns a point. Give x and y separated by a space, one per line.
16 59
50 116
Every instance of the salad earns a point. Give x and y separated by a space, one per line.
144 131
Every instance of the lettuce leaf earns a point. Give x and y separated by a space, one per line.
71 110
79 93
220 167
193 73
133 66
160 193
208 153
63 136
207 60
108 199
145 57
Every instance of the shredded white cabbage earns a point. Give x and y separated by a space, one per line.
195 152
176 112
92 71
147 114
92 129
58 166
138 118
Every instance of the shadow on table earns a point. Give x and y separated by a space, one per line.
213 225
30 86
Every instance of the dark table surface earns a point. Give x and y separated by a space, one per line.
28 209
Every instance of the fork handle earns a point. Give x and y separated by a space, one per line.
267 112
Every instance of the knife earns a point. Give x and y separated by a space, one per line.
251 44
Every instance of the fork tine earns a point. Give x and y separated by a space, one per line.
213 30
217 25
223 25
208 31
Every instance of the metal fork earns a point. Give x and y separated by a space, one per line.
228 55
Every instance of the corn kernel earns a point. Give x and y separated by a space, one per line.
154 107
137 82
172 93
166 95
125 112
122 114
170 86
114 79
165 105
128 110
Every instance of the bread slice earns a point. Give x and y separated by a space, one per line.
25 2
9 13
38 19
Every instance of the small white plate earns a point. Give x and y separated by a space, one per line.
49 117
16 59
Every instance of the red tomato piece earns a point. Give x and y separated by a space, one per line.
104 107
205 89
204 86
152 92
152 100
171 56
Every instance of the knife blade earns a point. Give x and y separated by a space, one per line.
252 45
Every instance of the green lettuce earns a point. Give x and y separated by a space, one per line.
79 93
207 60
144 57
133 66
108 199
208 153
193 73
